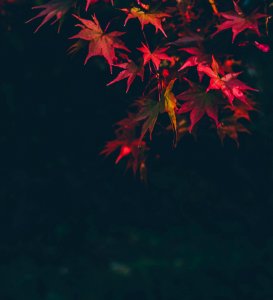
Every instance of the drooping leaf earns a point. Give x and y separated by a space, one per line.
128 146
130 71
170 106
149 110
53 9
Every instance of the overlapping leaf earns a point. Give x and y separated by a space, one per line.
198 102
149 110
130 71
231 87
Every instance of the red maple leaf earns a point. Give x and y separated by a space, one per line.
238 22
155 56
100 43
131 70
198 102
231 87
145 17
198 58
53 9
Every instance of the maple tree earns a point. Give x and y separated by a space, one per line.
184 72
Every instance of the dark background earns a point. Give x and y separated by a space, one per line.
74 226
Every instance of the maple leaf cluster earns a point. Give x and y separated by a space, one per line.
184 72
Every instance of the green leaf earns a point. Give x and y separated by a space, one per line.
149 111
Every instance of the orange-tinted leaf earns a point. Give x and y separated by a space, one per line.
144 17
170 105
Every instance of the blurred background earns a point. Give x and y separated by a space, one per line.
74 226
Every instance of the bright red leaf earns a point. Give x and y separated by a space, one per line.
231 87
198 58
155 56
